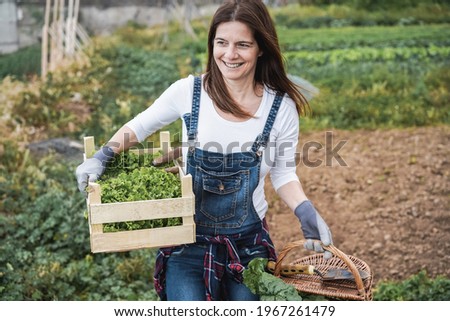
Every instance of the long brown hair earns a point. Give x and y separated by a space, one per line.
270 69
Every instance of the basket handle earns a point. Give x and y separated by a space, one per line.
332 249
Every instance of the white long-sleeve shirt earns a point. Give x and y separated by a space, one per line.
216 134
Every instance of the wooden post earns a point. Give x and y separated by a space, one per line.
74 25
44 53
76 9
63 32
69 30
54 36
60 44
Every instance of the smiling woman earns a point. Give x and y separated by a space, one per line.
241 121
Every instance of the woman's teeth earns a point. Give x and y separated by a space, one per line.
232 65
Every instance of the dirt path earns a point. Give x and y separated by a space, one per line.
390 206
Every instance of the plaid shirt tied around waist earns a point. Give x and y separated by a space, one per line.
214 269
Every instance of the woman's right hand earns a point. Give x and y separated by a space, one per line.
92 168
166 158
89 171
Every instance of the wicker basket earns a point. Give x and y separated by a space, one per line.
356 289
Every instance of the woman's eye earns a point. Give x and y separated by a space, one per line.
243 45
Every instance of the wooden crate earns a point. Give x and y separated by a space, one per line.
99 214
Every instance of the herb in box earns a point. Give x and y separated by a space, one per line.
131 177
136 205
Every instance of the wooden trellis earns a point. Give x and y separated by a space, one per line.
63 38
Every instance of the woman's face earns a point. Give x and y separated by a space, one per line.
235 51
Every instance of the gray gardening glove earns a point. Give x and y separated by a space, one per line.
92 168
314 228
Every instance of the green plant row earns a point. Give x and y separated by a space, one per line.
352 37
377 94
341 15
361 54
22 63
418 287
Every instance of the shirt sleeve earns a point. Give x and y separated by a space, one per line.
284 168
170 106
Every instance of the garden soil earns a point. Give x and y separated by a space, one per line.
386 200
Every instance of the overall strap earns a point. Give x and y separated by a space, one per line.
263 138
193 121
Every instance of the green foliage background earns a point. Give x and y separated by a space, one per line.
374 68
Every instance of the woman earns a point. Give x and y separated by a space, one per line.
240 123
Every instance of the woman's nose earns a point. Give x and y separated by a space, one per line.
231 52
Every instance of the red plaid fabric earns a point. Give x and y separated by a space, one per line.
214 269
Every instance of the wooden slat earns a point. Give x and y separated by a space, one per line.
89 146
140 239
164 140
186 184
94 197
141 210
144 150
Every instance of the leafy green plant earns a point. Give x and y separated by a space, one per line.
22 63
131 177
419 287
266 285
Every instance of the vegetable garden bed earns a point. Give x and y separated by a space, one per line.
101 214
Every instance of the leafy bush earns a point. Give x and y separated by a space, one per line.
45 249
21 64
139 72
419 287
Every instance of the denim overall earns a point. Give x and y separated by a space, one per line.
229 231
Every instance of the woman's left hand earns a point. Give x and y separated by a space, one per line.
314 228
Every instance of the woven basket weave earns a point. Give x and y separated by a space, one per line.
356 289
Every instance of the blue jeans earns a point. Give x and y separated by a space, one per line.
185 280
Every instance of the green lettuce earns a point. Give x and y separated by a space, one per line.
266 285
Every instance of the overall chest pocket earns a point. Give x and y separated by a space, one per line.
223 195
221 185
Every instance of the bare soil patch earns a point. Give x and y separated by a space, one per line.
390 206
